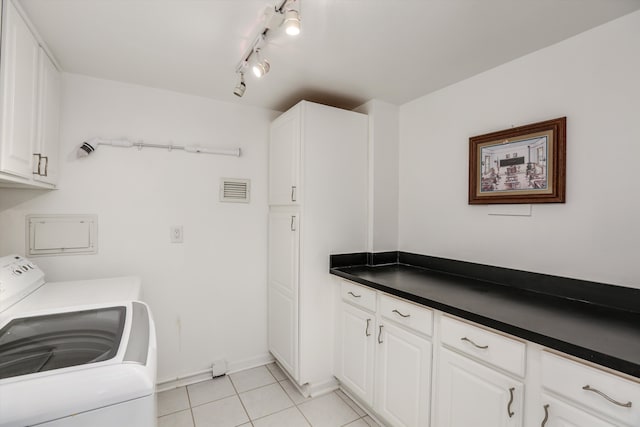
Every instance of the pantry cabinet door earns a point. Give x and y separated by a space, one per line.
471 394
284 159
355 345
284 240
19 91
403 379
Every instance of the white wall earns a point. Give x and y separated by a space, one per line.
208 295
383 175
593 79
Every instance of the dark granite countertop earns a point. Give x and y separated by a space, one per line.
592 330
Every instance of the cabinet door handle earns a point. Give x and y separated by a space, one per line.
37 171
354 295
624 405
380 335
511 414
366 331
402 315
546 415
46 165
293 193
483 347
293 223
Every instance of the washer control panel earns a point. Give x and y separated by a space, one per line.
18 278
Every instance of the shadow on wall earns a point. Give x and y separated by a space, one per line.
11 197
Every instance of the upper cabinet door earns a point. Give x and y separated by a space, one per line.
18 93
284 159
48 135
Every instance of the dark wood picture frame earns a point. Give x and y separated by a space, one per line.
533 172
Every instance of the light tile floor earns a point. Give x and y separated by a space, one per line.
258 397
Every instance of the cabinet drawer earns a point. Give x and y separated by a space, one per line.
493 348
408 314
569 379
358 295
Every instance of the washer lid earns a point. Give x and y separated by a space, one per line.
53 341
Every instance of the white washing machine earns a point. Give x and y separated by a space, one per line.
73 354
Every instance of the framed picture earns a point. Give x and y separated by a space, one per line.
526 164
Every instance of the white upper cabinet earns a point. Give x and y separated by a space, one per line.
284 159
48 135
19 92
30 100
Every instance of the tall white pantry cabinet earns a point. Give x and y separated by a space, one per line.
317 207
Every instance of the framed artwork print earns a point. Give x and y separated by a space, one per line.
526 164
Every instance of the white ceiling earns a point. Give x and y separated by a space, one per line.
349 51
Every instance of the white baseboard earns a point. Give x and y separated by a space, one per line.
252 362
320 388
196 377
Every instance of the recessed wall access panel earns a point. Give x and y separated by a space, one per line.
62 234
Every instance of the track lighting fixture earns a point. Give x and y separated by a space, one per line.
286 15
262 66
292 22
240 87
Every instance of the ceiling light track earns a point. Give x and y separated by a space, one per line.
285 14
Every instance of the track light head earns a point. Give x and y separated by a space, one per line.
292 22
261 66
240 87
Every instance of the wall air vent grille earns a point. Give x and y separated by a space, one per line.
235 190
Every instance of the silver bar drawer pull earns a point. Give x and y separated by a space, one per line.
380 334
400 314
624 405
483 347
354 295
293 193
546 415
511 414
366 331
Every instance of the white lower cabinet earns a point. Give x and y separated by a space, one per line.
557 413
590 390
384 363
356 341
403 376
471 394
384 350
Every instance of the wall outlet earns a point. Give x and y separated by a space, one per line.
176 234
219 368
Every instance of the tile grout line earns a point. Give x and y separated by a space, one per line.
193 419
360 417
241 402
295 405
